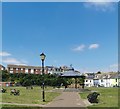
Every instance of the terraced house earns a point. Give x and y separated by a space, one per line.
103 80
115 80
26 69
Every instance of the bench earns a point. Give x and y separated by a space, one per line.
15 92
3 90
92 98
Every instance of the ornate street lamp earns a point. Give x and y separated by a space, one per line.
42 56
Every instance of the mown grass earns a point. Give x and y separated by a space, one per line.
18 107
108 97
29 96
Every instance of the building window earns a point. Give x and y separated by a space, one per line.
19 68
86 80
11 68
11 71
26 70
14 68
90 80
116 80
32 70
101 80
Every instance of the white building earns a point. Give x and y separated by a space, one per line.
89 82
103 80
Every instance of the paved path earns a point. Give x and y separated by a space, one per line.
67 99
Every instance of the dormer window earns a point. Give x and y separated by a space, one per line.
96 76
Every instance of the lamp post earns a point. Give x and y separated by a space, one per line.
42 56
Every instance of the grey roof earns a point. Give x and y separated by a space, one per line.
90 77
50 66
107 76
56 72
71 74
115 76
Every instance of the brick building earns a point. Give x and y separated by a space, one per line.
26 69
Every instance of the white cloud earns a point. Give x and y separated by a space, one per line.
114 66
102 5
8 60
93 46
79 48
13 61
4 54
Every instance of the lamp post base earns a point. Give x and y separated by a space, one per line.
43 95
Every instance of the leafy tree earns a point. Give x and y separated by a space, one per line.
98 72
5 75
27 82
34 79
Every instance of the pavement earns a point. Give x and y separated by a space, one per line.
68 99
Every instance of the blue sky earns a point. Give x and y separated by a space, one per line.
82 34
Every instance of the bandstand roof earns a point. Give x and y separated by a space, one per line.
71 74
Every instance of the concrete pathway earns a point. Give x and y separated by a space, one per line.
17 104
67 99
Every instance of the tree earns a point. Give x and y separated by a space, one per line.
5 75
98 72
27 82
81 81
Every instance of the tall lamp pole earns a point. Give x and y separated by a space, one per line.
42 56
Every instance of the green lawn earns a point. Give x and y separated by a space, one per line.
108 97
29 96
18 107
